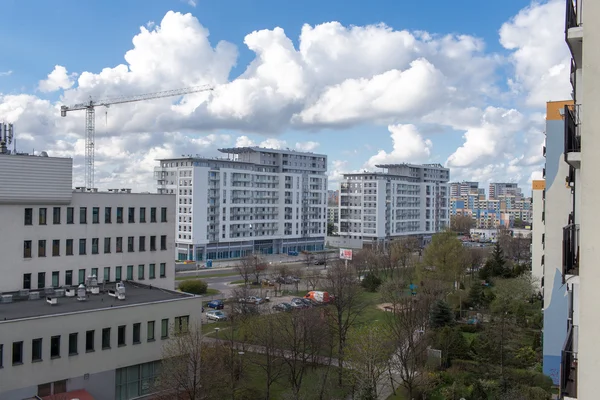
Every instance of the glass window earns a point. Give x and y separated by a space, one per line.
55 278
130 244
55 347
163 242
106 245
137 327
36 350
55 247
89 341
107 215
130 272
70 215
41 280
118 273
56 215
83 215
96 215
73 343
152 271
150 331
28 216
182 324
69 250
163 270
163 214
27 249
136 380
42 219
17 353
131 215
142 215
121 331
106 274
95 272
164 328
142 243
105 338
81 276
119 215
41 248
141 268
153 214
26 281
69 277
152 243
119 245
82 246
95 245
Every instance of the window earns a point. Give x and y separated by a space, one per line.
89 341
119 215
1 355
142 243
163 270
107 215
105 338
163 214
28 216
42 216
83 215
95 272
130 240
142 215
41 248
118 274
141 271
121 331
164 328
150 331
70 215
69 277
41 280
26 281
136 381
82 246
73 344
69 250
55 247
182 324
55 278
27 249
106 245
153 214
152 271
60 386
81 276
36 350
56 215
152 243
137 333
95 245
106 274
119 245
130 272
163 242
55 347
131 215
96 215
17 353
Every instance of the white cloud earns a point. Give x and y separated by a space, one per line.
192 3
244 141
57 79
6 73
307 146
408 146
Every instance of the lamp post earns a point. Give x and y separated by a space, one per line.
217 333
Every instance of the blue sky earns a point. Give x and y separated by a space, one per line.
89 36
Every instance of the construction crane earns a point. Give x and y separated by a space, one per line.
90 119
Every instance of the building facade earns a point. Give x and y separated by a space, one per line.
497 189
405 200
458 189
256 200
538 193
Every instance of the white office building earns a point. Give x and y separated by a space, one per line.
255 200
104 340
404 200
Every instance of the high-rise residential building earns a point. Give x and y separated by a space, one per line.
87 284
333 197
254 200
504 189
406 199
463 188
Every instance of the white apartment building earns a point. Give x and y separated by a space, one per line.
464 188
498 189
537 233
406 199
54 338
255 200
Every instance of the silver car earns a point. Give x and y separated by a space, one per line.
216 315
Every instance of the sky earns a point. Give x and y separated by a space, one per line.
366 83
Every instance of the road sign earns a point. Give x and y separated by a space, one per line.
345 254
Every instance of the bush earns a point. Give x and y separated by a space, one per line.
470 328
194 286
371 282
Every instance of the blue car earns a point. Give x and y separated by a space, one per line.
216 304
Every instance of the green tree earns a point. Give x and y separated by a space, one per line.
371 282
331 229
441 315
445 255
193 286
495 266
476 295
452 343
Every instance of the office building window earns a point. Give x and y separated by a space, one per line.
106 274
152 271
105 338
130 272
69 277
164 328
41 280
69 250
131 215
55 278
142 243
182 324
163 270
83 215
150 331
17 353
55 347
70 215
82 246
142 215
152 243
45 389
119 215
130 241
141 271
26 281
95 272
28 216
56 215
118 273
42 219
41 248
107 215
137 327
153 214
163 242
55 247
96 215
36 350
95 245
89 341
136 380
163 214
106 245
121 331
119 245
27 249
1 355
81 277
73 343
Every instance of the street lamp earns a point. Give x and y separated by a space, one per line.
217 333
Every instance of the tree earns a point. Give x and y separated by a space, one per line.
475 257
476 297
331 229
496 265
245 268
194 286
404 252
452 343
461 223
441 315
308 258
445 254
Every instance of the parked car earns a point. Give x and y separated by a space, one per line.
216 304
320 261
216 315
309 303
267 282
283 307
298 303
252 300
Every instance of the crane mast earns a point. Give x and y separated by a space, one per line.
90 119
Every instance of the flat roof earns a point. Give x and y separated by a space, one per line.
257 149
135 293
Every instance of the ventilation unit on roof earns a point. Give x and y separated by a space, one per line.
34 295
52 301
119 292
81 293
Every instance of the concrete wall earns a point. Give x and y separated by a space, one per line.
538 230
342 242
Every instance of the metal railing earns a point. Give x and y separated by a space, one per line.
568 366
572 137
570 251
570 17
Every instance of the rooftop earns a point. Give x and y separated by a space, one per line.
135 293
255 149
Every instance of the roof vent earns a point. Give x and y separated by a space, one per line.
34 295
6 298
81 293
43 154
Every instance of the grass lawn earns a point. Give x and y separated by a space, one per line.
215 275
400 395
211 292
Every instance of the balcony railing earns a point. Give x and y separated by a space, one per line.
572 137
568 365
570 16
570 251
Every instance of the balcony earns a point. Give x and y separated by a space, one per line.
570 251
568 365
574 29
572 150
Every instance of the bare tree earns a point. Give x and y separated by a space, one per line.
475 257
258 267
245 268
461 223
312 280
307 257
404 250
